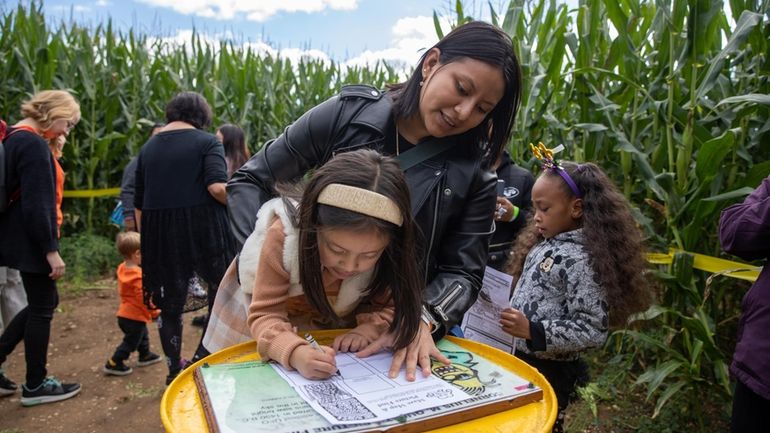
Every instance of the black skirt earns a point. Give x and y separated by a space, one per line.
179 243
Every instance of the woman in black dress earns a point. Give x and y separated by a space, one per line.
180 207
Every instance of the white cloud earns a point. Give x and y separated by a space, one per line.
411 37
102 3
73 8
184 37
254 10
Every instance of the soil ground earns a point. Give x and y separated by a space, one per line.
84 333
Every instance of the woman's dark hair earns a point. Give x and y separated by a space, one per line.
236 152
189 107
611 237
396 273
486 43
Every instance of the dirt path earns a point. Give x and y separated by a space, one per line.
83 334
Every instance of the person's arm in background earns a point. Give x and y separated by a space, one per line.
744 228
127 186
138 192
302 146
218 190
215 170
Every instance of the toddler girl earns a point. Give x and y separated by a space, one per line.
578 269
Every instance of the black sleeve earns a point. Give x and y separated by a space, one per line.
537 342
38 190
462 256
302 146
214 165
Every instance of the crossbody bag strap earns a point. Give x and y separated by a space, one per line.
422 152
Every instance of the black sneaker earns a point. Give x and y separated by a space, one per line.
171 376
148 359
7 386
116 368
183 364
49 391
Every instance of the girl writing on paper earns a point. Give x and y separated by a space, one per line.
577 269
339 255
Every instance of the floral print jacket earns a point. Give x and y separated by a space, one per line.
560 295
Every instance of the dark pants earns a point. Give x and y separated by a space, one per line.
33 326
170 332
750 411
564 376
135 338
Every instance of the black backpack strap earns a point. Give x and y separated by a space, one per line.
422 152
4 134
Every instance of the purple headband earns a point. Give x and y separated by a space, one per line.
545 155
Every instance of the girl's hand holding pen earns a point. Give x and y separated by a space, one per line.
314 362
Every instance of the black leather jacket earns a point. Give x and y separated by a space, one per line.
453 198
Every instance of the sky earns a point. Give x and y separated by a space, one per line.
346 31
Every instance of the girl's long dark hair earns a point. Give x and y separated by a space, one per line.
479 41
612 240
236 152
396 271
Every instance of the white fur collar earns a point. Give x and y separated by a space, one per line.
352 290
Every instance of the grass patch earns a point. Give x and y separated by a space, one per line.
137 390
611 403
89 257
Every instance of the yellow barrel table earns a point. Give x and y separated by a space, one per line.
181 412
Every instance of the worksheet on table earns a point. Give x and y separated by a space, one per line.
362 392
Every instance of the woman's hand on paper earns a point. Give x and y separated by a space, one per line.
515 323
418 352
313 363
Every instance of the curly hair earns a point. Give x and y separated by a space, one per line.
189 107
612 240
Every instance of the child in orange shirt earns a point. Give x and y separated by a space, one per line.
133 315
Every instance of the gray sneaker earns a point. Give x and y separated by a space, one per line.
49 391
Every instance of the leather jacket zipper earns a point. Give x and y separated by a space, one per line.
453 292
432 230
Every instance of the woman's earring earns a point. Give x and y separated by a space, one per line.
422 82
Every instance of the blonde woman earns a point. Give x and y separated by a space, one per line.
30 236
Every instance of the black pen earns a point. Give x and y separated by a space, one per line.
314 344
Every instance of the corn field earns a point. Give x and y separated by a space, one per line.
670 97
123 82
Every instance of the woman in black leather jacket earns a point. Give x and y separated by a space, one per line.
463 96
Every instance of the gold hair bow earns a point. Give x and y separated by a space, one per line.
544 154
